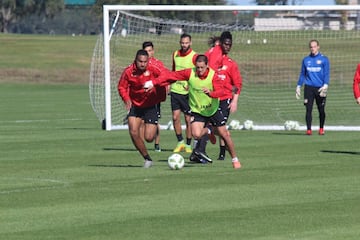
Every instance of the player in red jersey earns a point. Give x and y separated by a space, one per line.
149 47
356 87
227 69
141 104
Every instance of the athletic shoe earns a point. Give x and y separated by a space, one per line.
157 148
188 148
221 157
203 156
195 159
148 164
321 131
211 135
236 165
309 132
179 147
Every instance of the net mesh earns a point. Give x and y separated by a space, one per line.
268 51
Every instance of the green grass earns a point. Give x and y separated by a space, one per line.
64 178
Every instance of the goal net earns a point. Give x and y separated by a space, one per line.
269 43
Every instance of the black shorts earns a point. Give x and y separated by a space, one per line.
149 115
158 108
180 102
224 107
217 119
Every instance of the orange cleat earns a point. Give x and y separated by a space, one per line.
309 132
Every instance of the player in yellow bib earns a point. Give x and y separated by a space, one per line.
205 88
179 90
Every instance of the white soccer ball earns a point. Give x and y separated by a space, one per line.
291 125
264 41
176 161
234 124
248 41
248 125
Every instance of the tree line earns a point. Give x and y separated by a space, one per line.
53 16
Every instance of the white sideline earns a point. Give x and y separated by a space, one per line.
267 128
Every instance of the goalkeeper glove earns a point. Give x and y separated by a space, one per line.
298 92
323 90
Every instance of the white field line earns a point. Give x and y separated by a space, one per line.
58 184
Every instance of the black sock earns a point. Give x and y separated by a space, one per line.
188 141
222 150
179 137
203 141
147 158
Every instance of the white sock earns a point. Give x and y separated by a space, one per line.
235 159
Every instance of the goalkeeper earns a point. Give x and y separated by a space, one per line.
315 75
356 87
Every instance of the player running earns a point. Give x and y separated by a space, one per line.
205 88
141 104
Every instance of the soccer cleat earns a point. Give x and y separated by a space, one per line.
321 131
221 157
179 147
211 135
195 159
203 156
188 148
309 132
236 165
148 164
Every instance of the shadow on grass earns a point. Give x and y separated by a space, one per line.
115 166
341 152
289 133
132 149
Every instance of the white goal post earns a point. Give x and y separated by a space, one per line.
268 51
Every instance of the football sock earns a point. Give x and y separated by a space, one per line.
222 150
179 137
147 158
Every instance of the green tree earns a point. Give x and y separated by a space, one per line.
14 10
344 14
200 16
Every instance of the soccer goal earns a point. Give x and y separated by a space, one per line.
269 43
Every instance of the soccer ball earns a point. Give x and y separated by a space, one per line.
176 161
248 125
234 124
291 125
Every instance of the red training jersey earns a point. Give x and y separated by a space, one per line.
131 86
185 76
227 70
356 87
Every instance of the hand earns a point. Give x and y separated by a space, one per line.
298 92
148 85
358 100
323 90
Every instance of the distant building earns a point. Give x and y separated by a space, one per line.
79 2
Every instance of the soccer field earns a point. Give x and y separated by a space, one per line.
62 177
